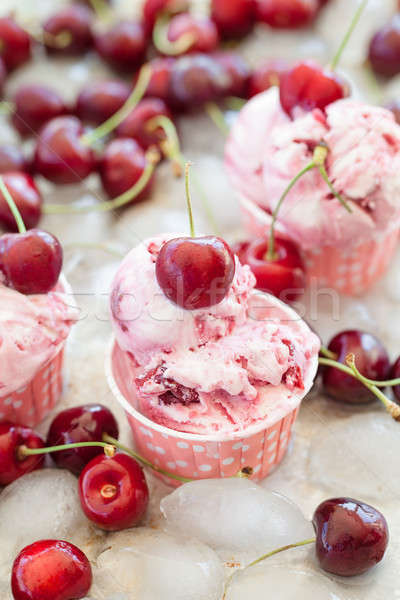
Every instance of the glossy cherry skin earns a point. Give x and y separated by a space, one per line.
123 46
352 536
203 30
152 9
113 492
75 20
99 100
27 198
394 374
234 18
308 86
371 359
136 123
85 423
30 262
121 165
51 570
237 70
195 272
284 277
35 105
3 76
11 437
60 155
384 49
12 159
160 80
287 14
15 43
266 75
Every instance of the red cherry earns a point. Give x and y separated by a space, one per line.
11 438
85 423
266 75
27 198
309 86
12 159
3 75
60 155
195 272
15 43
159 83
237 70
371 359
234 18
51 570
113 492
75 23
123 46
283 277
384 49
136 123
152 9
352 536
203 30
99 100
30 262
394 374
287 14
394 106
121 166
35 105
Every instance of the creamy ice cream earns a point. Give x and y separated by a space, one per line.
209 370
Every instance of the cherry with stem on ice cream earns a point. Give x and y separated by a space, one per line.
51 570
27 199
99 100
13 436
123 45
287 14
15 43
384 49
34 106
185 33
69 31
235 18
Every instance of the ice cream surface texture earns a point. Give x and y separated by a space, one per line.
208 370
266 150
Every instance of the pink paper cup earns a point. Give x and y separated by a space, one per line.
199 456
350 271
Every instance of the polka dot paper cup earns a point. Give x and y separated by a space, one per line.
199 456
350 271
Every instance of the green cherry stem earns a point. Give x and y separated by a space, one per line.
348 34
217 117
327 353
163 44
13 207
189 200
235 103
102 10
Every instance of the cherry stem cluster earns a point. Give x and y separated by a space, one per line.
13 207
164 44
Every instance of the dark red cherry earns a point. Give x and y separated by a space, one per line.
3 76
121 166
72 28
160 79
136 123
85 423
152 9
384 49
99 100
123 46
51 570
12 159
352 536
238 72
195 272
287 14
266 75
61 156
308 86
283 277
113 492
394 106
15 43
11 438
30 262
27 198
35 105
371 359
394 374
202 29
234 18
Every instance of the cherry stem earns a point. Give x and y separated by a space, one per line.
235 103
328 354
13 207
23 451
152 157
163 44
189 200
108 126
348 34
101 9
217 117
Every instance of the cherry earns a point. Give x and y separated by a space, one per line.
309 86
123 46
283 277
384 49
394 106
35 105
30 262
12 159
113 492
152 9
136 123
3 75
98 101
234 18
11 437
287 14
51 570
15 43
394 374
121 166
352 536
85 423
159 84
371 360
70 30
26 197
237 70
61 156
203 30
266 75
